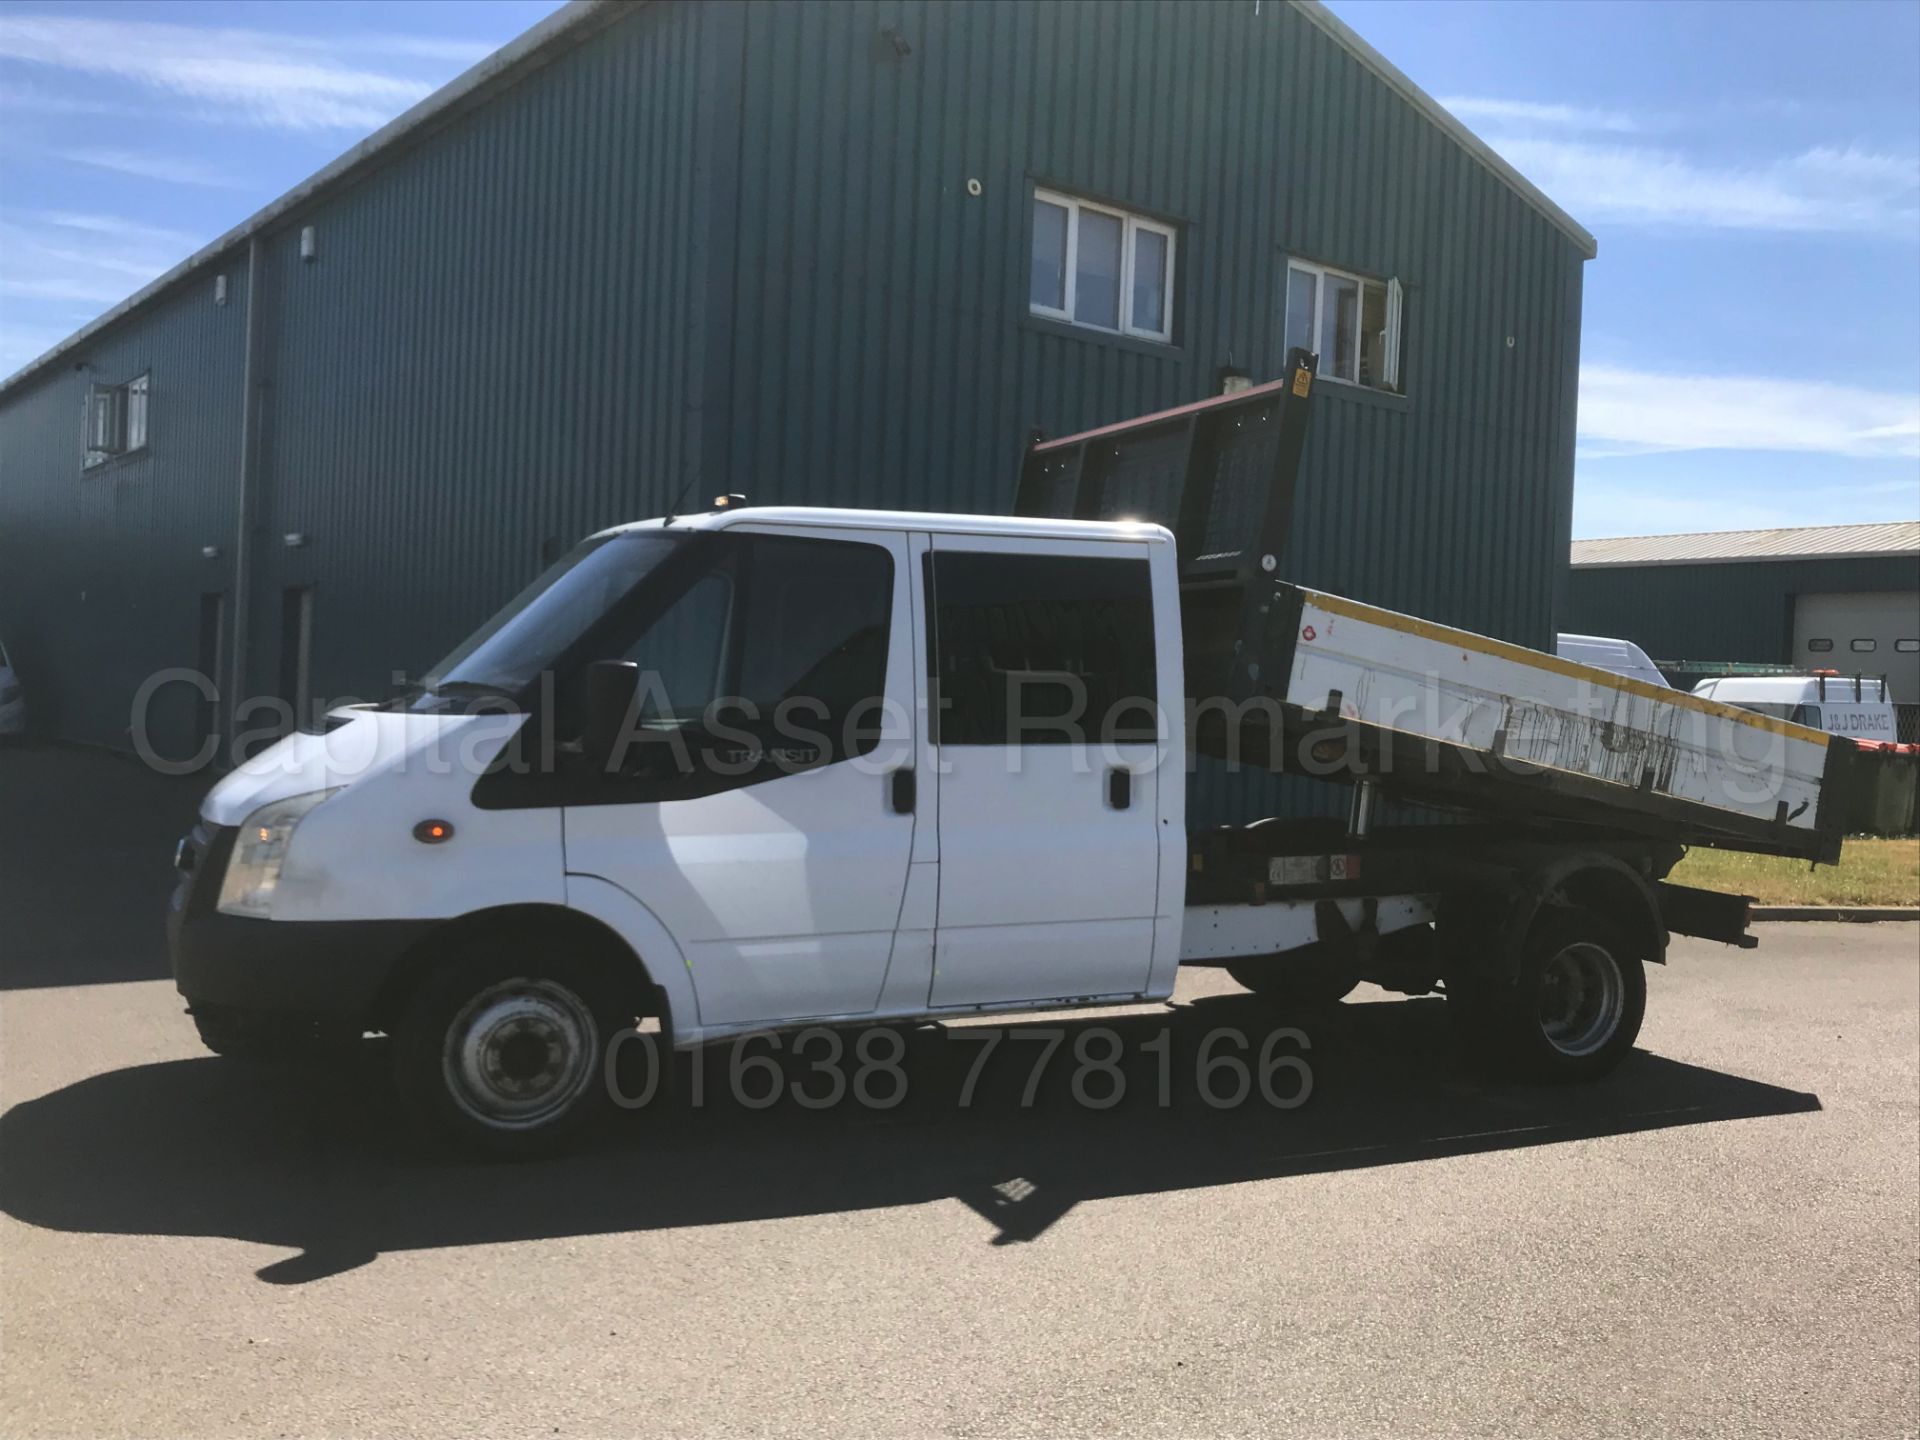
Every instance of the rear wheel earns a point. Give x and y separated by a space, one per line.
1304 977
1574 1011
501 1053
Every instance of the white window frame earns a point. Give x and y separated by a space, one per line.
127 406
1131 225
1322 345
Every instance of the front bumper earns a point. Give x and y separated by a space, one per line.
329 970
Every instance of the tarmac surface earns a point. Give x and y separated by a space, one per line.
1723 1238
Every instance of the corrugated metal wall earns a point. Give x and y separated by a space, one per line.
881 333
734 240
493 352
496 349
882 339
100 570
1741 611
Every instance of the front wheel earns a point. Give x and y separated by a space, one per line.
501 1055
1572 1014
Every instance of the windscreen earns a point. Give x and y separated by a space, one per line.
543 621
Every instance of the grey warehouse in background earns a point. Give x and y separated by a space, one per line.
835 252
1818 597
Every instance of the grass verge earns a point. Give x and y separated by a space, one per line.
1870 872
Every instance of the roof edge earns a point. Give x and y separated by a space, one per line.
533 47
1339 30
1774 558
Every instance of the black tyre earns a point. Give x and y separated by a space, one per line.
501 1052
1574 1012
1301 978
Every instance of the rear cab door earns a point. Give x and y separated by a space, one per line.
1051 670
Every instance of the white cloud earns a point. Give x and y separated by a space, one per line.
170 169
251 76
38 100
1633 412
117 226
426 47
95 260
1478 108
1818 190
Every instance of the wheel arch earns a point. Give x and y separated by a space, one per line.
1618 893
582 933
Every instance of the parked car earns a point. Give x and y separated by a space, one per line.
1856 706
13 704
1622 657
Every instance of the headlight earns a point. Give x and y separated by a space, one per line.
260 851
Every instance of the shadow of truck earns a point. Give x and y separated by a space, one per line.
212 1148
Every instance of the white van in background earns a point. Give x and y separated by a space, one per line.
1622 657
1855 706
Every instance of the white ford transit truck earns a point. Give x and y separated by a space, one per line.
755 768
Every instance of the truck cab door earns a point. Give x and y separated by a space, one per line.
1042 698
763 830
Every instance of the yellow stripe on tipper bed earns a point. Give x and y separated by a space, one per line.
1485 645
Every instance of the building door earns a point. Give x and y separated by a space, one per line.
1874 632
1044 727
764 829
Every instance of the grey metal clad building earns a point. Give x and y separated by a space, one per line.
1840 597
834 251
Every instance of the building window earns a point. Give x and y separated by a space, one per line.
1864 647
1352 322
116 420
1907 647
1102 268
1820 645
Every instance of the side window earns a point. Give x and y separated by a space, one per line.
682 657
1808 715
1041 649
813 645
781 641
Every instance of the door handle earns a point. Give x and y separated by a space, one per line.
900 790
1119 788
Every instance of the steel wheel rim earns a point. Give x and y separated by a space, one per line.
1582 998
520 1053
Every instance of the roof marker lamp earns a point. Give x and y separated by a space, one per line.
260 851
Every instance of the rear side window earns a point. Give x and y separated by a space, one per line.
1040 649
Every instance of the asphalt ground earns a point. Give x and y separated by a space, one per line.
1723 1238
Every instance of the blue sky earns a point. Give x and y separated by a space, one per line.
1751 350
